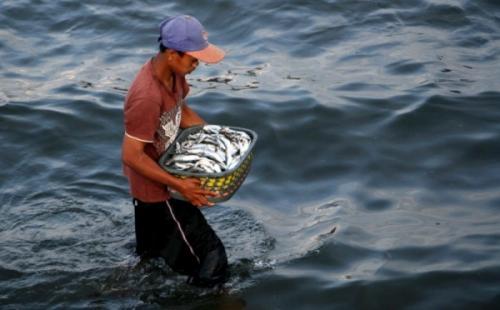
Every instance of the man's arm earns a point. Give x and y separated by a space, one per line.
133 155
189 117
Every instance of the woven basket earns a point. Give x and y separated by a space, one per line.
225 183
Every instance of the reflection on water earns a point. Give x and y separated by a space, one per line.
375 181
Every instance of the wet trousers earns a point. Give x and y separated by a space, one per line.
178 232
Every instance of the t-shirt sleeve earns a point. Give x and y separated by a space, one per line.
142 116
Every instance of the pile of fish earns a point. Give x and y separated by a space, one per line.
213 149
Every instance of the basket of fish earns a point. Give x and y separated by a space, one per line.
219 156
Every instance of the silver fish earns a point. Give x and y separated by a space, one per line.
211 150
183 158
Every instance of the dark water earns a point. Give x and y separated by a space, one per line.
376 182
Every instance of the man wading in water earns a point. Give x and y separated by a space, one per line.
154 111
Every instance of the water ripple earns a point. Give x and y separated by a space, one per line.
375 175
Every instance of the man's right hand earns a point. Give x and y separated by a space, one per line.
192 191
133 155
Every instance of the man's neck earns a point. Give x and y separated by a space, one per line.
162 70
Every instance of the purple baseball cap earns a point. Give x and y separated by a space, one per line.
185 33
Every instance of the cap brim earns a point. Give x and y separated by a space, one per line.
210 54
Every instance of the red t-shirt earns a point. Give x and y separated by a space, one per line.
152 114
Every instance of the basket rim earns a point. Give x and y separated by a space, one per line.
187 131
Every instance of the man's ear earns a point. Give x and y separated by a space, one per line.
169 53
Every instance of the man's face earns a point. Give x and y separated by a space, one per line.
184 64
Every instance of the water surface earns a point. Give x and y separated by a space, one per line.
376 178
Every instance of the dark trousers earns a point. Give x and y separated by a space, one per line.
177 231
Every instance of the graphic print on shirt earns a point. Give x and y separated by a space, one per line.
169 126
